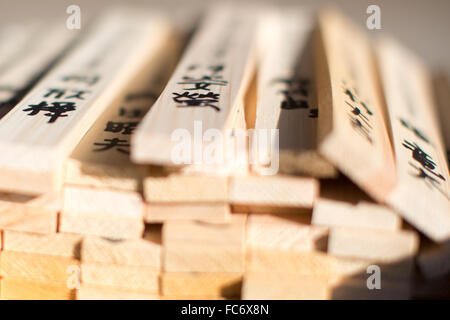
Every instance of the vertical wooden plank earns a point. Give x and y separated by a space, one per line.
43 129
421 195
286 95
205 92
352 131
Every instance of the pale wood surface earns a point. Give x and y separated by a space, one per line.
133 278
58 244
384 246
352 132
36 146
226 39
191 246
24 289
198 284
28 49
162 187
278 191
87 292
133 252
36 266
102 212
422 194
442 97
286 94
37 214
208 212
342 204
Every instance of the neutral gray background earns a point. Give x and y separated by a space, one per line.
422 25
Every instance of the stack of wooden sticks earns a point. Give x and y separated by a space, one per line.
277 154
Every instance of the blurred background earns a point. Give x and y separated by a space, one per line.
421 25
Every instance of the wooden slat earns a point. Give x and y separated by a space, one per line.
43 129
24 289
58 244
286 95
216 69
144 252
37 214
102 212
107 293
352 132
208 212
133 278
342 204
277 191
383 246
191 246
179 187
219 284
422 194
96 166
36 266
442 96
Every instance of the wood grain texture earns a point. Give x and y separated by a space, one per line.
37 214
132 278
442 97
102 212
112 168
422 194
39 267
107 293
384 246
278 191
352 130
191 246
35 144
146 252
342 204
223 50
286 95
218 284
27 50
58 244
24 289
207 212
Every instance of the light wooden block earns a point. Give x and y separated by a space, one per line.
422 193
108 57
223 51
208 212
434 260
58 244
277 191
36 266
146 252
176 188
106 293
24 289
37 214
442 97
352 131
133 278
106 213
112 168
218 284
270 232
191 246
270 286
383 246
